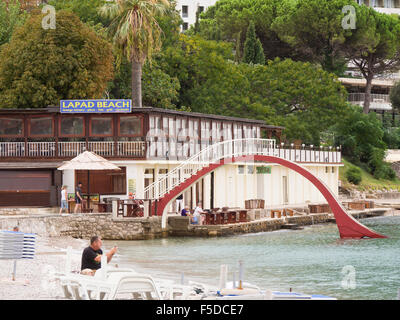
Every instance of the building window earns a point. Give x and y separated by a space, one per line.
333 169
201 9
185 11
240 169
41 127
130 126
11 127
101 126
185 26
72 126
326 169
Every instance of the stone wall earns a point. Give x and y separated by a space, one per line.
179 226
86 225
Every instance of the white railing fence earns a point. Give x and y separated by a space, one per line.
207 156
12 149
234 148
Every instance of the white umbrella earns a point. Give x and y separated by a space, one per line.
88 160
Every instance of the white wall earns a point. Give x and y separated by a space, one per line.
192 8
232 189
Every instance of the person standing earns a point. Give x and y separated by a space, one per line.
91 256
78 198
179 203
64 199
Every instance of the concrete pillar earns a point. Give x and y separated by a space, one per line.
207 191
114 209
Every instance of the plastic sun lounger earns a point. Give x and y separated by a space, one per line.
135 285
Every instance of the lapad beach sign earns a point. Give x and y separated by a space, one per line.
95 106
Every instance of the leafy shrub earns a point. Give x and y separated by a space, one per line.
353 175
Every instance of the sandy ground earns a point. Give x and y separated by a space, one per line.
32 281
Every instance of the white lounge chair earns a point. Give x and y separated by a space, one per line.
136 285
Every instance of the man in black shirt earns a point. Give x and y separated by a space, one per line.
91 256
78 198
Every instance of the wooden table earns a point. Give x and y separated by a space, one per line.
102 207
210 218
231 217
242 215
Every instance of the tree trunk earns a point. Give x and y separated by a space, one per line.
136 84
367 93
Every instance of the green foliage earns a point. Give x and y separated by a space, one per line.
253 50
353 175
11 17
391 137
227 18
86 10
159 89
306 99
361 138
41 67
395 96
314 28
300 96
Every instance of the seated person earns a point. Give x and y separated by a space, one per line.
91 256
197 215
185 212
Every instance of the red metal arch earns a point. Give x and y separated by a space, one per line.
347 225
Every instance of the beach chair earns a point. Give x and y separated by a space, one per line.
136 285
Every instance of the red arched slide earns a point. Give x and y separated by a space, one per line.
347 225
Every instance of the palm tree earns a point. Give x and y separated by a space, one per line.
136 34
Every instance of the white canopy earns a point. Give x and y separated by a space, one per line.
88 160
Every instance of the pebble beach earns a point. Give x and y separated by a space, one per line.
33 276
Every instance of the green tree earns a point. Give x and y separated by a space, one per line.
159 89
361 137
306 99
253 50
136 34
86 10
300 96
395 95
374 46
314 28
11 17
39 67
227 18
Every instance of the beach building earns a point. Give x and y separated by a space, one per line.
147 144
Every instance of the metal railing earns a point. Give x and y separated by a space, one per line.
41 149
131 148
234 148
359 97
71 149
12 149
207 156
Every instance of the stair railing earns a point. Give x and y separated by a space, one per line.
212 154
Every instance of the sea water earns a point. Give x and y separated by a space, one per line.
313 260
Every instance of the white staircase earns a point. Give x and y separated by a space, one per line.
211 154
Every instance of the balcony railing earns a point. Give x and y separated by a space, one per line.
137 149
378 98
71 149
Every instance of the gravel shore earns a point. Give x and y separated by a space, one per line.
32 280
